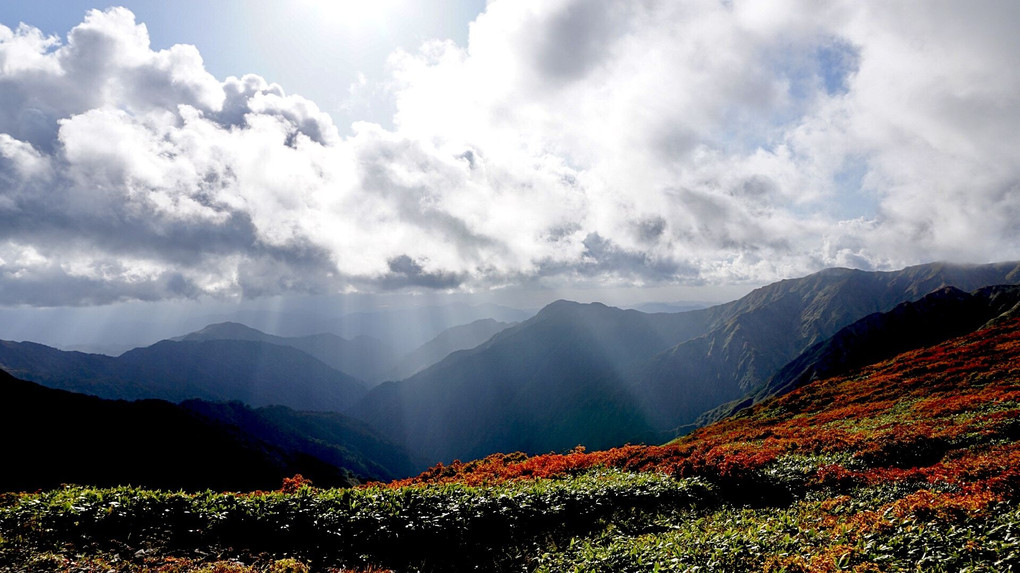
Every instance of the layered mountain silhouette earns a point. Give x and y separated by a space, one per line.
572 374
59 437
599 376
362 357
408 328
549 383
256 373
445 343
331 438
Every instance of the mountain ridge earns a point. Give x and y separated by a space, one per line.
257 373
362 357
632 376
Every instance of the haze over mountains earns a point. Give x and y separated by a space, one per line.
572 374
363 357
256 373
596 375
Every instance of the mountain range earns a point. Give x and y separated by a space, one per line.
599 376
572 374
256 373
362 357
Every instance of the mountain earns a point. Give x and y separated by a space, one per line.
937 317
257 373
332 438
600 376
752 338
909 464
450 340
548 383
362 357
55 437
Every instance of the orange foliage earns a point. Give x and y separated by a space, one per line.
293 484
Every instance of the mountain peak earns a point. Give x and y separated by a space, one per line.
560 307
224 330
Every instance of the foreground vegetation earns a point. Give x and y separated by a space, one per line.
910 464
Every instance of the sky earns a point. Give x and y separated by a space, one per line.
672 149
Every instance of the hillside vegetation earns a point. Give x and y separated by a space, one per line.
909 464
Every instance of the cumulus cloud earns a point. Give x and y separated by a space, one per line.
570 141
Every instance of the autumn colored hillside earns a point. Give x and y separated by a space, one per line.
949 414
911 464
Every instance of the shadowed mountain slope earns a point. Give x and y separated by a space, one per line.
329 437
362 357
549 383
255 373
56 437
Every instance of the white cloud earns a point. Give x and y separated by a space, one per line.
570 142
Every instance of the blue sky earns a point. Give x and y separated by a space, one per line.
238 151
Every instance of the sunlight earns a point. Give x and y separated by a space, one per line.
351 13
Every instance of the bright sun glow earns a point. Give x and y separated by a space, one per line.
352 13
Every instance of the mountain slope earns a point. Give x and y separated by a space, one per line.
362 357
256 373
754 337
943 314
56 437
326 436
593 375
456 338
939 316
547 384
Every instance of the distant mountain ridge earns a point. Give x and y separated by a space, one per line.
549 383
600 376
362 357
408 328
256 373
455 338
572 374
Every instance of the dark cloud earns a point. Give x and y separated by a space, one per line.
406 272
577 38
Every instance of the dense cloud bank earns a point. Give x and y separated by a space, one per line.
571 141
